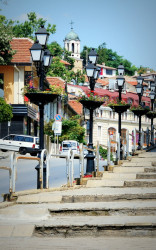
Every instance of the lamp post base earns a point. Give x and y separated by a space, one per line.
90 167
139 147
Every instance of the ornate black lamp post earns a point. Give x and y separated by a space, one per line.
120 83
92 73
139 90
42 59
152 97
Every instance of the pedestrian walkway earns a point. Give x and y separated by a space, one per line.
119 203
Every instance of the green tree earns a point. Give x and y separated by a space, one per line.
102 53
57 68
55 49
142 70
71 130
84 54
28 28
110 58
6 35
129 68
67 58
5 111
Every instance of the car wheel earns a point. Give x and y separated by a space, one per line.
3 150
33 154
22 151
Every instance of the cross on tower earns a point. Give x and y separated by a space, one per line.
72 24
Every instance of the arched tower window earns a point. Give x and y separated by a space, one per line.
73 47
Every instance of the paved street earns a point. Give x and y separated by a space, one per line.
27 175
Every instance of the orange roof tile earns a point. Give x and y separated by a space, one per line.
56 81
21 46
103 83
77 106
65 62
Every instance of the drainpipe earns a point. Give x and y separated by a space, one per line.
18 80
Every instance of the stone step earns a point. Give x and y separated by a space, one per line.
128 169
146 176
140 183
145 155
129 208
111 194
127 176
150 170
142 163
31 212
118 176
137 160
67 226
121 183
105 183
83 194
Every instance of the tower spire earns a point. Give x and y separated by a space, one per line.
71 23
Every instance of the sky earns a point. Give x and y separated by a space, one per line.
126 26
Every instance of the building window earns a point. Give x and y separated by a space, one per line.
27 77
99 131
1 80
109 72
112 136
123 135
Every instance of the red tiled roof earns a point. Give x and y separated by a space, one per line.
21 46
102 82
65 62
77 106
134 83
57 81
113 95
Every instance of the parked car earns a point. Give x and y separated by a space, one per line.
20 143
67 145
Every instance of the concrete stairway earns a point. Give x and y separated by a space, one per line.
139 172
123 204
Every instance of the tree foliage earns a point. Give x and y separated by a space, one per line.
5 111
6 35
71 130
29 27
110 58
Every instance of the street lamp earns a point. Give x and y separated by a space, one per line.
42 36
93 73
41 57
139 90
120 83
152 97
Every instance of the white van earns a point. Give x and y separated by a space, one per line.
67 145
20 143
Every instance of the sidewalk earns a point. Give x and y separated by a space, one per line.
83 217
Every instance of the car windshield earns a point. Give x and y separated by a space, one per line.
66 145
